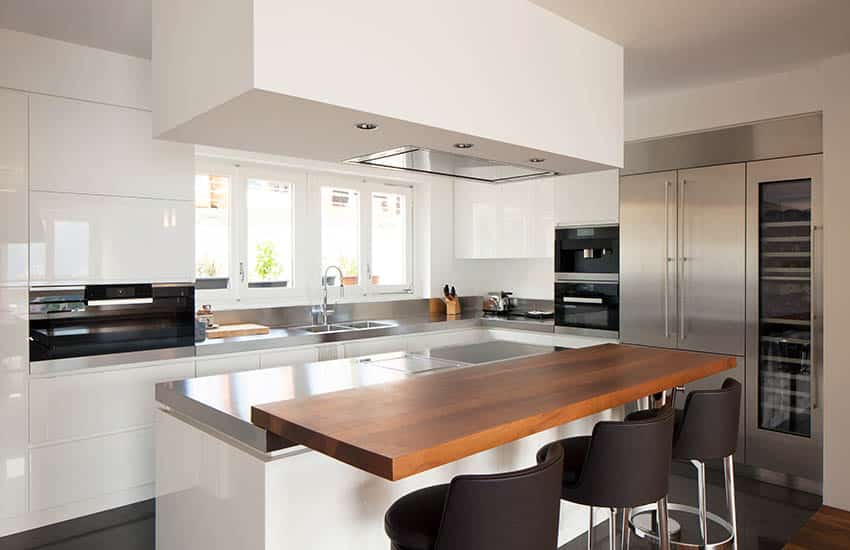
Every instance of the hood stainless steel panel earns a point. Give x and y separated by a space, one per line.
431 161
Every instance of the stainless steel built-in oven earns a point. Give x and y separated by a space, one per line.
587 253
81 321
587 307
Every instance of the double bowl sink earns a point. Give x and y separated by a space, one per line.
346 327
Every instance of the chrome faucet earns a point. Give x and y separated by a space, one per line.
324 311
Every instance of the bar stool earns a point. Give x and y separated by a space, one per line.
510 511
706 429
621 466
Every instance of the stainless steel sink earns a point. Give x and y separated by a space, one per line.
324 329
366 324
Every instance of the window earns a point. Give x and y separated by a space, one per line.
244 242
212 231
341 233
389 239
268 208
369 240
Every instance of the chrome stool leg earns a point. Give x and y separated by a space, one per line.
663 531
703 521
729 474
612 530
626 528
590 531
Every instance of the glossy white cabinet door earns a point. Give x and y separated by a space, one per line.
99 239
208 366
542 224
281 358
477 219
88 468
82 147
516 221
14 365
371 346
88 404
421 342
13 188
588 198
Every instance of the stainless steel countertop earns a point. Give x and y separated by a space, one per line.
290 337
223 402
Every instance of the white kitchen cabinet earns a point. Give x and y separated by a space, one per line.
428 340
89 468
284 357
86 404
85 147
223 364
14 365
88 239
371 346
511 220
590 198
13 188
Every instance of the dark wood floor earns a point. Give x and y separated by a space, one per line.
828 529
768 517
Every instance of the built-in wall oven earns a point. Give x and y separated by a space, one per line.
587 292
72 322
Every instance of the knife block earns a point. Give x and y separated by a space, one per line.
452 306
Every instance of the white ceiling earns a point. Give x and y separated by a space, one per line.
122 26
669 44
672 44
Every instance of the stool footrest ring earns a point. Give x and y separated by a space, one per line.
644 533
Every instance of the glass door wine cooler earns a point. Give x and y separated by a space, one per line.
784 329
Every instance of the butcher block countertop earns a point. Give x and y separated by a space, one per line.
398 429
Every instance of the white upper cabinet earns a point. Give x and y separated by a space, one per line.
83 147
511 220
588 198
90 239
13 188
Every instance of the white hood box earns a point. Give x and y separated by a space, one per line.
296 77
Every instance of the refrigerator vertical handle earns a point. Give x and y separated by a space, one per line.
813 379
682 283
666 259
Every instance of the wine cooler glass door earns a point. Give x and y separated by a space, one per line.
783 321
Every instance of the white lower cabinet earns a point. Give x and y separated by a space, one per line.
371 346
285 357
88 468
223 364
421 342
89 404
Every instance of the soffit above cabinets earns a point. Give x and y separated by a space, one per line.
515 81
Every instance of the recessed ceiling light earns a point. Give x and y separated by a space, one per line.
365 126
463 145
536 159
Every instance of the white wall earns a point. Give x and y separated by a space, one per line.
820 87
836 142
725 104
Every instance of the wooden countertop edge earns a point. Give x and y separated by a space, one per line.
400 467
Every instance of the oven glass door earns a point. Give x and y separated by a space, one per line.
589 305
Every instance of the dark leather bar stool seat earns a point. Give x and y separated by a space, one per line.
510 511
706 429
621 466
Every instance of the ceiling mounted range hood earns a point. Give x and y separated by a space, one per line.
431 161
337 84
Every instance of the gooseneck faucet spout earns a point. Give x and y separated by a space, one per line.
325 311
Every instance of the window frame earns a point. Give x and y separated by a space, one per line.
365 187
238 293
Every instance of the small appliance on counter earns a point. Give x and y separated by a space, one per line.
587 289
79 321
499 302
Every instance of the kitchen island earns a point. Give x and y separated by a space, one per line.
313 469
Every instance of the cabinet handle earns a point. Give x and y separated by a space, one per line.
682 282
666 259
242 272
